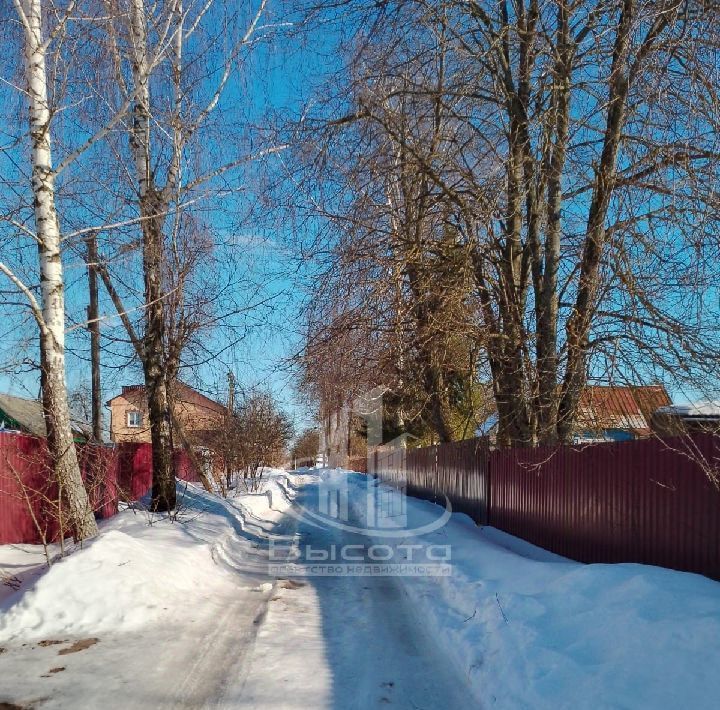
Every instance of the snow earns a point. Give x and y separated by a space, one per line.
702 408
289 667
158 595
531 629
141 571
185 613
135 572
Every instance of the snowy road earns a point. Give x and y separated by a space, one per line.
191 614
241 640
340 642
377 651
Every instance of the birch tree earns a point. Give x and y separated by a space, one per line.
66 108
49 311
168 164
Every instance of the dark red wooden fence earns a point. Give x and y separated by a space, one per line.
28 493
648 501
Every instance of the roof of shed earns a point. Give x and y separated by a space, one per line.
29 416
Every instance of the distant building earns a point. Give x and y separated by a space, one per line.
678 419
199 416
610 413
26 416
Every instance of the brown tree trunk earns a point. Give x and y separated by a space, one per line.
153 207
439 406
547 311
578 325
505 358
426 335
94 328
163 488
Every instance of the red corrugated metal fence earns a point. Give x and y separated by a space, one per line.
457 471
28 493
649 501
24 486
643 501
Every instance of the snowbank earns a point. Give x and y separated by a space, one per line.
530 629
120 580
135 573
526 628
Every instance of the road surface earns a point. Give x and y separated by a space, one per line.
375 650
257 641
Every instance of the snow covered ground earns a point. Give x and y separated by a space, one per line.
530 629
202 612
167 610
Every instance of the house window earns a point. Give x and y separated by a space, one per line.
134 420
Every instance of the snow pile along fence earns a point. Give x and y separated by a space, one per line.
29 509
650 501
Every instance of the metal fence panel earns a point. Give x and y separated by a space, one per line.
457 472
462 476
650 501
24 486
28 493
646 501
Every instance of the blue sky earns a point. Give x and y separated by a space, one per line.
277 81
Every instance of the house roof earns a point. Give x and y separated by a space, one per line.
29 417
702 409
184 393
624 408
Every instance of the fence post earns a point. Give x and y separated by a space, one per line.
487 455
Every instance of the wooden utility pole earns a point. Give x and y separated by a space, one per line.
94 328
229 428
231 392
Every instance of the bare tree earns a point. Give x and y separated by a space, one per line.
57 41
306 448
396 299
571 149
170 168
261 434
49 312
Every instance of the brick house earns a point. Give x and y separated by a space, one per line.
199 415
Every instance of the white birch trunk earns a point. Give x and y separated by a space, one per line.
52 331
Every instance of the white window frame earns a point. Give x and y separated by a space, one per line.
138 418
